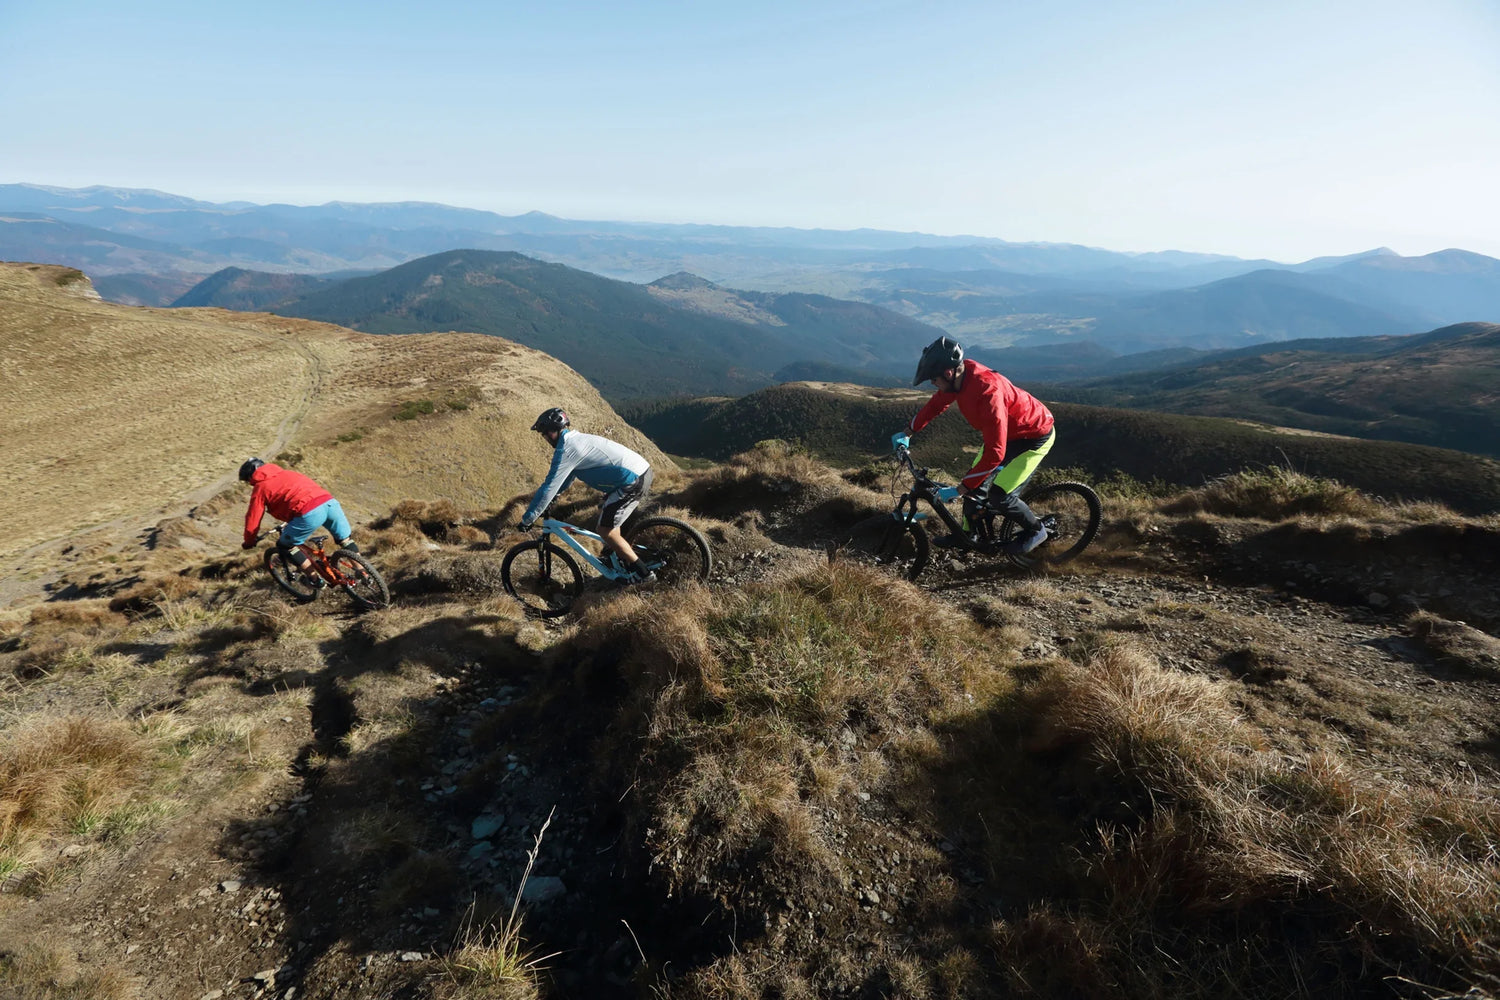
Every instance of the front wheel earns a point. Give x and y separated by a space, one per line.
288 577
672 549
544 578
366 587
889 541
1071 513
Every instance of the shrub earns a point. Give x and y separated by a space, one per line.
411 409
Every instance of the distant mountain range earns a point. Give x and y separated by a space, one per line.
141 246
680 335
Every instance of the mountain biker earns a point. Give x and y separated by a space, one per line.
301 503
1017 430
613 469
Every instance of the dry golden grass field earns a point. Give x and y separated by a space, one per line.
116 417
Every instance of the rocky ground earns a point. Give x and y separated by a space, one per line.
276 891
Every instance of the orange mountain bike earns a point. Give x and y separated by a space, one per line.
344 569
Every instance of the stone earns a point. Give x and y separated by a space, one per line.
230 885
542 888
412 956
486 826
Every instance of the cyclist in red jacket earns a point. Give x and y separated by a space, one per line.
301 503
1017 430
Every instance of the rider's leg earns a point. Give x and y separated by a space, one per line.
617 508
1024 457
338 525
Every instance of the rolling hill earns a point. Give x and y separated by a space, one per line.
851 425
683 336
155 409
1440 388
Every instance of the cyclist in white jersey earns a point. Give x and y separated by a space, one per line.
613 469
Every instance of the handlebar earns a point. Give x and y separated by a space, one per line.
943 491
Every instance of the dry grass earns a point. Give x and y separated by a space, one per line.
1219 830
752 705
43 970
1458 645
70 773
1274 494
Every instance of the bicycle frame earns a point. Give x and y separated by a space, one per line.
565 532
936 495
318 559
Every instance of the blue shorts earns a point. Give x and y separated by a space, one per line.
300 528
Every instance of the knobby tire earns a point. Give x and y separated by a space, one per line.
543 577
1073 512
369 590
673 549
288 577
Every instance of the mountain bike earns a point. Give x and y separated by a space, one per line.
546 579
1070 512
348 570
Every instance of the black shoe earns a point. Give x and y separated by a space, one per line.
1027 542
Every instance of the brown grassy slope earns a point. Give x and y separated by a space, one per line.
106 410
121 414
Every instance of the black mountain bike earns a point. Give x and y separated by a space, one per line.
1071 513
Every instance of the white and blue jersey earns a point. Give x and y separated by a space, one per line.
605 465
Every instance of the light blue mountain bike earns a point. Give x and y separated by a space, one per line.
546 578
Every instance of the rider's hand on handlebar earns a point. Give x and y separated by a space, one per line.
525 525
250 543
899 440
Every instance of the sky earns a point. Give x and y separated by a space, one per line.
1284 130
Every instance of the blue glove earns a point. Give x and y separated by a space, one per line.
947 493
900 439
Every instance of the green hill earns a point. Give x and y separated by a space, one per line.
252 291
851 425
629 340
1440 388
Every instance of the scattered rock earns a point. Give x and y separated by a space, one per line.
486 826
230 885
542 888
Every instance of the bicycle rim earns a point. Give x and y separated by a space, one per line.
368 588
672 549
544 578
287 576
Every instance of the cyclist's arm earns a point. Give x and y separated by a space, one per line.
934 407
254 514
558 477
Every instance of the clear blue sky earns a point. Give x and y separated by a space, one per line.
1267 128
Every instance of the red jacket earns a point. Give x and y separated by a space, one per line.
284 493
995 408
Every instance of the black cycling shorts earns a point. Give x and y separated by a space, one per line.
620 504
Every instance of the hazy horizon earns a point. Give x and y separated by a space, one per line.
1286 131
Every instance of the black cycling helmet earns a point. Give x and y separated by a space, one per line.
248 468
554 419
938 357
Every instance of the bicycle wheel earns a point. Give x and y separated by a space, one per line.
288 577
368 591
1072 514
885 541
544 578
672 549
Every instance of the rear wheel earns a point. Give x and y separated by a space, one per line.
288 577
672 549
544 578
883 540
367 588
1072 514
